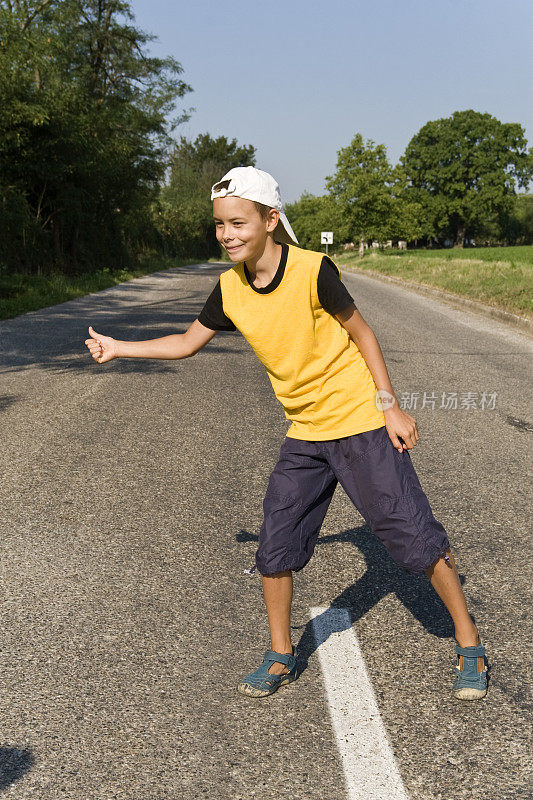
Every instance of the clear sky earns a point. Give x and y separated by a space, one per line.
298 79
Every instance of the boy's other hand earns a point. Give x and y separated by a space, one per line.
102 348
401 424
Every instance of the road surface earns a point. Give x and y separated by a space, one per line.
132 501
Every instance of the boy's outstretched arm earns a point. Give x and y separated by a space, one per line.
176 345
397 421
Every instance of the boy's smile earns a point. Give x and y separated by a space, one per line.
240 229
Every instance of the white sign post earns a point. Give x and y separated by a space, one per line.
326 237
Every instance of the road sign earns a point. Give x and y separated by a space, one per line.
326 237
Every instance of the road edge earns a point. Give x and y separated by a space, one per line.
524 323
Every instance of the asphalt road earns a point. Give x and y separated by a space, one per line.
132 501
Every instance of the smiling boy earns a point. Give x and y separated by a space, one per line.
327 370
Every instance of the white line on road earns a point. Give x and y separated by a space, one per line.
368 761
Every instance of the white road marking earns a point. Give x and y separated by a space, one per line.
368 761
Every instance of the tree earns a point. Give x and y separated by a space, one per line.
208 157
517 228
84 137
370 193
360 185
311 214
407 220
184 211
465 168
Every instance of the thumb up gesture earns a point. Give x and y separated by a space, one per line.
103 348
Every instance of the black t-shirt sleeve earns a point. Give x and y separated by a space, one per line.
332 293
212 314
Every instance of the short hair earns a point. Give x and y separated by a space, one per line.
263 209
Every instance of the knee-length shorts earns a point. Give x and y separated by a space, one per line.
380 482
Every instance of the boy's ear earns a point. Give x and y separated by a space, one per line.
272 219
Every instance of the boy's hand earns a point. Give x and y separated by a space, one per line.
103 348
401 424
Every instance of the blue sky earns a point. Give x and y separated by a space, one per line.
298 79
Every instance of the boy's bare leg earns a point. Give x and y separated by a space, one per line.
278 588
277 591
445 580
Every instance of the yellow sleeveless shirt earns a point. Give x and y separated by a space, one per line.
317 371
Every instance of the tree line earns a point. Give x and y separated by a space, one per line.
84 134
456 182
92 173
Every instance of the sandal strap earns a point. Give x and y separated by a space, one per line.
282 658
476 651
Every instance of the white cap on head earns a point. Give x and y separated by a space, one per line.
251 183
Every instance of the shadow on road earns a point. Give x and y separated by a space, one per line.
14 763
382 577
53 338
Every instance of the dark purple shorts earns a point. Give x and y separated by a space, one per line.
380 482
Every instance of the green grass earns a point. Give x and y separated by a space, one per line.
498 276
20 293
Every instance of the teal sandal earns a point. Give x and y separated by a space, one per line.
261 683
470 684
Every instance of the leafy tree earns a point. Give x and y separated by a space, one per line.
517 228
464 169
83 133
311 214
371 194
184 210
361 187
406 220
208 157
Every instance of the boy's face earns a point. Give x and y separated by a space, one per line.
239 227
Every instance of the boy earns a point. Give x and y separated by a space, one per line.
327 370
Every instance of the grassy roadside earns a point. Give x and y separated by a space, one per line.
498 276
20 293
